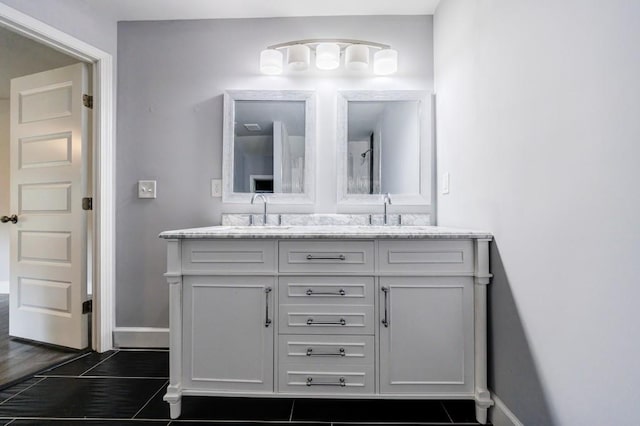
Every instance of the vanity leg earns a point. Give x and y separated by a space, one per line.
174 278
174 398
482 278
481 414
176 407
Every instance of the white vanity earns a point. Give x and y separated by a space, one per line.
328 311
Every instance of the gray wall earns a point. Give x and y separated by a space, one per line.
172 75
537 106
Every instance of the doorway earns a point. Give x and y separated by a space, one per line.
103 245
20 357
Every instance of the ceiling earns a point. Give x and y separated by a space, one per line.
146 10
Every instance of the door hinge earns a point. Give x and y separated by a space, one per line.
87 203
87 307
87 100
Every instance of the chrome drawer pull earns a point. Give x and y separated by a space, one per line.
339 257
340 292
385 320
341 382
267 320
341 321
340 352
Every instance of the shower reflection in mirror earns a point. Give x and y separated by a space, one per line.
383 147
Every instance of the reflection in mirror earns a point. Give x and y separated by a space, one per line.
268 143
383 142
384 146
269 146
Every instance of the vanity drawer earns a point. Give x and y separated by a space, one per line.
326 290
326 319
325 379
326 256
221 256
313 350
407 257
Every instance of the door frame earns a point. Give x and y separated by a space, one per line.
103 162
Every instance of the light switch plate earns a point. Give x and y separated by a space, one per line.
216 187
146 189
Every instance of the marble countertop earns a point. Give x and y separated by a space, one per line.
325 231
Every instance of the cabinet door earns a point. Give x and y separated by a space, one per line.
228 333
426 335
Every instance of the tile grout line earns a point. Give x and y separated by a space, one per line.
291 415
109 357
82 420
150 399
25 389
68 362
104 377
446 411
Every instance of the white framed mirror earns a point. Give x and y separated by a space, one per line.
269 145
385 145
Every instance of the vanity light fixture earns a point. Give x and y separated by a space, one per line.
298 57
271 62
327 54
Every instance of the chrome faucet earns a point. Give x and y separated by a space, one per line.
264 214
387 201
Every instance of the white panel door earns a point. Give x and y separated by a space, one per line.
49 158
426 335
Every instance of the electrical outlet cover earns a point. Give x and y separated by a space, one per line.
216 187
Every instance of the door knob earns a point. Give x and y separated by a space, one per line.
13 219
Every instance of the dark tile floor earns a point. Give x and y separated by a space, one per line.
125 387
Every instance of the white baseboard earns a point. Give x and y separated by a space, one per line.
500 415
140 337
4 287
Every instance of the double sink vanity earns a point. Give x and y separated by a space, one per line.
336 311
336 305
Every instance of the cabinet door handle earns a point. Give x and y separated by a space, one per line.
338 257
341 321
385 320
340 292
267 320
341 352
341 382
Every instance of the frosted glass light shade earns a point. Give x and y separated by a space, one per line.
356 57
327 56
299 57
385 62
271 62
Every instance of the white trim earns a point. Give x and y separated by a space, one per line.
140 337
4 287
104 160
500 415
